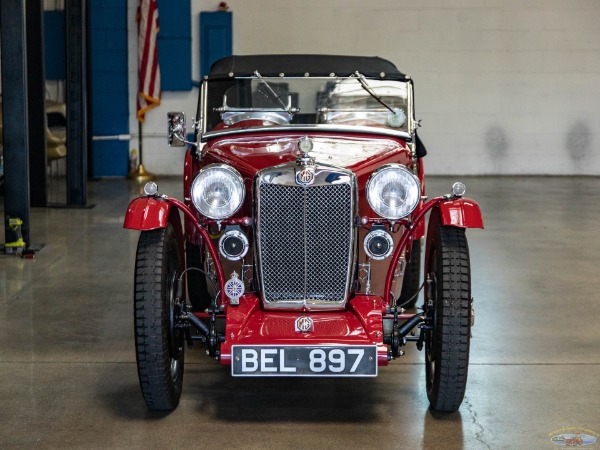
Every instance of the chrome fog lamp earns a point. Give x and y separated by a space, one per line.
233 244
218 191
393 191
378 244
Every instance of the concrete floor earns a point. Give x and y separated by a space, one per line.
68 370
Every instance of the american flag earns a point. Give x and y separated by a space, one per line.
148 71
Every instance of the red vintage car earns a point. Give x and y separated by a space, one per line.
296 250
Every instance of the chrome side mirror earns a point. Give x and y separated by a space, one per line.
176 129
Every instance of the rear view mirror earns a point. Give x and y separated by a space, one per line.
176 129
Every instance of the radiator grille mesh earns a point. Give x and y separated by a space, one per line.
305 241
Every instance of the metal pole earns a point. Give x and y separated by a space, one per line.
139 174
76 99
36 94
140 141
15 118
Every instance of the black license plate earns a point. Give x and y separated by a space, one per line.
313 361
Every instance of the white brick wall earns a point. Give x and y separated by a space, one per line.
502 86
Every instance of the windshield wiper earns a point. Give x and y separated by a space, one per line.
363 82
289 109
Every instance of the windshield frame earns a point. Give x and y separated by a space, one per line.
204 136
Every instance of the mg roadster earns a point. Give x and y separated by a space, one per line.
297 249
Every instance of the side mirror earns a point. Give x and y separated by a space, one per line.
176 129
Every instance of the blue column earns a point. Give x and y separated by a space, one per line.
215 38
110 94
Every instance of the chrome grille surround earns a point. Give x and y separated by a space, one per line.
305 237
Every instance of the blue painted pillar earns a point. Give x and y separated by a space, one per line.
215 38
110 93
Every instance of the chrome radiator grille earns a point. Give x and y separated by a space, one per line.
305 237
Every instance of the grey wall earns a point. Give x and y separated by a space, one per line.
502 86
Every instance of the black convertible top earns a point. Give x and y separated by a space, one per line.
300 65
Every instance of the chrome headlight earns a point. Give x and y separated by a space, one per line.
218 191
393 191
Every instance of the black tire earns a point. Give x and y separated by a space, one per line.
197 291
158 344
412 278
447 340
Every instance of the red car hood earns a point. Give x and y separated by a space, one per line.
359 153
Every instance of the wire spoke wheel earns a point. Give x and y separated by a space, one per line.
158 342
447 338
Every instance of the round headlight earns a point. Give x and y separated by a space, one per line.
218 191
393 191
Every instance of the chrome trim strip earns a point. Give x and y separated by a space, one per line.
309 128
202 110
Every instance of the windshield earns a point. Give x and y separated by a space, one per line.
275 102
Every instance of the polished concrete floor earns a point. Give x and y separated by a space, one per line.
67 363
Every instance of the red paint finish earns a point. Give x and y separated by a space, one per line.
361 324
147 213
462 212
250 154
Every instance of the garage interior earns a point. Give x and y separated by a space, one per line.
509 93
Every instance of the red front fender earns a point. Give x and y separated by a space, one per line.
147 213
151 213
461 212
457 212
